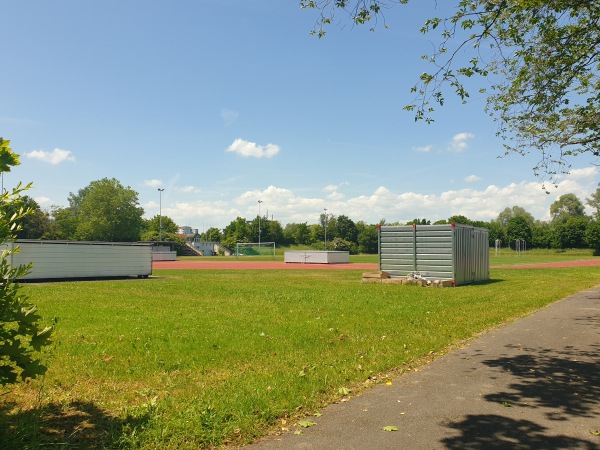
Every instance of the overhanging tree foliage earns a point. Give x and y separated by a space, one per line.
541 56
22 335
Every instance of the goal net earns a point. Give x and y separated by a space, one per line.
255 249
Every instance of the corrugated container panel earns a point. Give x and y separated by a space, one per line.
62 259
453 252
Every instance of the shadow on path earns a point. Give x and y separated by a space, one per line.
491 431
559 385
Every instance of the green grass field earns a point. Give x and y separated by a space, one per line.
504 257
195 359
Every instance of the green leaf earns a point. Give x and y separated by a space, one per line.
390 428
8 159
306 423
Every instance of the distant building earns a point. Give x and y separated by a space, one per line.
185 230
193 239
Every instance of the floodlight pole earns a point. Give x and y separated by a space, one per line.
259 202
325 209
160 191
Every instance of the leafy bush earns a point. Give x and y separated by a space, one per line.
340 244
21 333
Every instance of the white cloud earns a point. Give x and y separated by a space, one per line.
423 149
472 179
335 195
579 174
56 156
42 200
460 141
190 190
332 190
296 205
247 149
229 116
153 183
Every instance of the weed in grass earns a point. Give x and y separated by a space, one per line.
199 359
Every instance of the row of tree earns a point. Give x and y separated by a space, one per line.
569 227
106 210
333 232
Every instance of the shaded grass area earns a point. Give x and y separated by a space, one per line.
194 359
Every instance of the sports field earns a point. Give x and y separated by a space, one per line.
278 265
217 357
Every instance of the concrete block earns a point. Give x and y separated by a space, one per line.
371 280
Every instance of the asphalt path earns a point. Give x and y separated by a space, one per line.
531 384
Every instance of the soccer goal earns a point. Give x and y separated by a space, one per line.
255 249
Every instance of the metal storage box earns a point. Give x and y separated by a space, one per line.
75 259
316 257
443 252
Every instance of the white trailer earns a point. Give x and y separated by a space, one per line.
76 259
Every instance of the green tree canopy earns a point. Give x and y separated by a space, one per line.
459 219
34 225
518 228
153 225
104 210
567 205
297 233
570 233
151 232
594 202
368 238
237 231
541 235
540 59
515 211
419 222
211 235
346 228
274 231
64 223
592 236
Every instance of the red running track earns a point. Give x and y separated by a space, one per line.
279 265
252 265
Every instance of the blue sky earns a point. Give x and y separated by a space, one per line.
222 103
